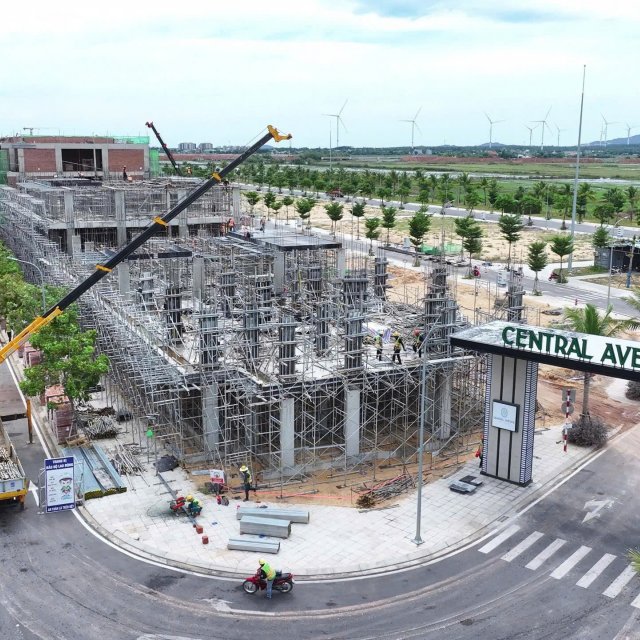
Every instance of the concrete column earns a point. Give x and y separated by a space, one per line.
121 219
443 392
69 220
340 263
183 229
278 272
76 247
235 203
198 278
124 279
352 422
210 415
287 433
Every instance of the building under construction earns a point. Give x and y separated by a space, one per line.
253 347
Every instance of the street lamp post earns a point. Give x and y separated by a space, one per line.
44 300
610 267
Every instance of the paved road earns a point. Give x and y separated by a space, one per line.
61 582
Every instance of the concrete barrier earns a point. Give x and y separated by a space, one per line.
265 526
257 545
292 515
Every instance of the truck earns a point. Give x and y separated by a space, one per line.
14 484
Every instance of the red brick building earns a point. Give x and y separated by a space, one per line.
75 156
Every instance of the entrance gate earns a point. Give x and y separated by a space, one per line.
512 375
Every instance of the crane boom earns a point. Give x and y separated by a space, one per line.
165 148
158 223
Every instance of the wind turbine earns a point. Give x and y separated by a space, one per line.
544 124
414 125
606 126
559 131
491 123
530 133
629 132
338 121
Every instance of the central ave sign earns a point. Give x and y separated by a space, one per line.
599 354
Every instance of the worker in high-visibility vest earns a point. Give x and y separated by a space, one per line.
398 343
268 573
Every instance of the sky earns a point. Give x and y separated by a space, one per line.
212 71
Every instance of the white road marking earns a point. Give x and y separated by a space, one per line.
570 562
636 603
34 491
523 546
620 582
545 554
596 506
499 539
596 570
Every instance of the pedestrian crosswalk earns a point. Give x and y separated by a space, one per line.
535 550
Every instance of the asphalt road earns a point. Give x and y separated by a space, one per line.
61 582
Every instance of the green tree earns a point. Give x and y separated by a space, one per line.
68 359
252 199
470 232
511 229
388 219
590 321
562 246
357 211
471 199
603 212
531 206
372 231
484 185
493 193
600 238
616 198
269 199
287 201
403 193
335 212
632 197
537 260
585 196
303 208
383 193
419 225
505 203
275 207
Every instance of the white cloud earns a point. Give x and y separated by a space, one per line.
221 71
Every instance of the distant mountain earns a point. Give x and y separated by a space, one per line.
617 141
493 144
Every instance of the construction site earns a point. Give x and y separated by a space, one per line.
256 348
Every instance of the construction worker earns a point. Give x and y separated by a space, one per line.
245 476
378 342
268 573
418 341
193 506
124 173
398 343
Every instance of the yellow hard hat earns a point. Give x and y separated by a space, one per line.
243 467
261 562
189 498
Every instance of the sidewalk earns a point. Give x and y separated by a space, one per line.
338 541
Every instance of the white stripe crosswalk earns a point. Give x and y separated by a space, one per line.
499 539
614 589
529 541
596 570
545 554
570 562
620 582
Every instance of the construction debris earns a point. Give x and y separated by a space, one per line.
125 461
9 470
382 491
99 427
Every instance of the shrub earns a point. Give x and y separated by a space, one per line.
588 432
633 390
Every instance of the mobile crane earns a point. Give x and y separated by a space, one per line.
166 149
158 223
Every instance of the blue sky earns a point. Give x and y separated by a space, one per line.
219 72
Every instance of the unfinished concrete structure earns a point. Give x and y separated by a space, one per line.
256 350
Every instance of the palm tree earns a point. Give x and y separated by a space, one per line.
632 197
590 321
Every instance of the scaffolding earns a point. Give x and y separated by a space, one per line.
256 349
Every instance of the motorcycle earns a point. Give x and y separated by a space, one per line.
283 582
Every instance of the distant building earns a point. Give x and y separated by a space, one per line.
185 147
205 146
102 157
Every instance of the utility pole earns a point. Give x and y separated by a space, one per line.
633 250
575 182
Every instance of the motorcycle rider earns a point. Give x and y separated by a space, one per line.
268 573
193 506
